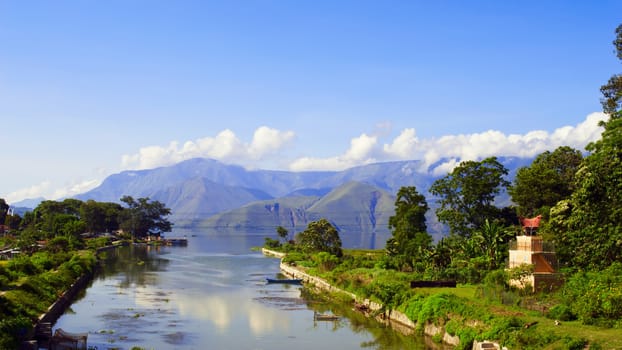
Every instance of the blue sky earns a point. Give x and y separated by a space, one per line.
91 88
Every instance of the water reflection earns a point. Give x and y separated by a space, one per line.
134 263
184 298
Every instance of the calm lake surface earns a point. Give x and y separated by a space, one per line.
212 295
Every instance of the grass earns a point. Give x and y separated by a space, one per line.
606 338
463 291
504 323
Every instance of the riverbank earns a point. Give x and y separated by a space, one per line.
470 313
36 289
394 318
41 332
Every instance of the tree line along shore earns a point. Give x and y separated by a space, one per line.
49 250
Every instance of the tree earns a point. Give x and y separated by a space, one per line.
282 232
588 226
100 217
612 91
51 216
467 195
549 179
13 221
143 218
492 239
320 236
408 227
3 210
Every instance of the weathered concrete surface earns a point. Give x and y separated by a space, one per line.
273 253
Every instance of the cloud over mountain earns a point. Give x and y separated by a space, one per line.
438 155
225 146
456 148
366 149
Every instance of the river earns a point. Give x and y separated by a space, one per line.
212 294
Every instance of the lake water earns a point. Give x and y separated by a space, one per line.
212 295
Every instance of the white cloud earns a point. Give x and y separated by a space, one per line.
267 141
360 152
75 189
47 190
438 155
34 191
225 146
404 145
445 153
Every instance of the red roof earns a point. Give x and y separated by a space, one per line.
531 222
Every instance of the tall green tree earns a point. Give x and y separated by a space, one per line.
588 226
408 227
143 217
467 194
492 241
4 207
51 216
100 217
549 179
320 236
282 232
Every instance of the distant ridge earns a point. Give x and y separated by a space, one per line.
28 203
211 197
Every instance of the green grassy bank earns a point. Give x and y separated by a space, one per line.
30 284
488 311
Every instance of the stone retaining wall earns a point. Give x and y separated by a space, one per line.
396 319
65 300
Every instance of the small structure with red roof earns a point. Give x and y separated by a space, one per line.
529 249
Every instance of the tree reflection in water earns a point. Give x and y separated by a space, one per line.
135 262
195 297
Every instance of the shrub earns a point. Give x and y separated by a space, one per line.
43 261
12 330
326 261
294 258
271 243
98 242
571 343
561 312
23 266
595 297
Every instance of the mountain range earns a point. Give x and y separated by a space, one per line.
210 197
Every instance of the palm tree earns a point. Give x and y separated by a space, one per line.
492 239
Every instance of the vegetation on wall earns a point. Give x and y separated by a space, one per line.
46 251
30 284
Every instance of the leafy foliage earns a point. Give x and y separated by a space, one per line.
320 236
144 217
492 241
595 297
549 179
100 217
4 207
588 225
410 240
35 282
466 195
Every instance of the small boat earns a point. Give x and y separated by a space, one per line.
284 281
324 317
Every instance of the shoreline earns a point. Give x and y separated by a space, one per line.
41 330
395 319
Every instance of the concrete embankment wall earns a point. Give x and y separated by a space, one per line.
65 300
51 315
396 319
